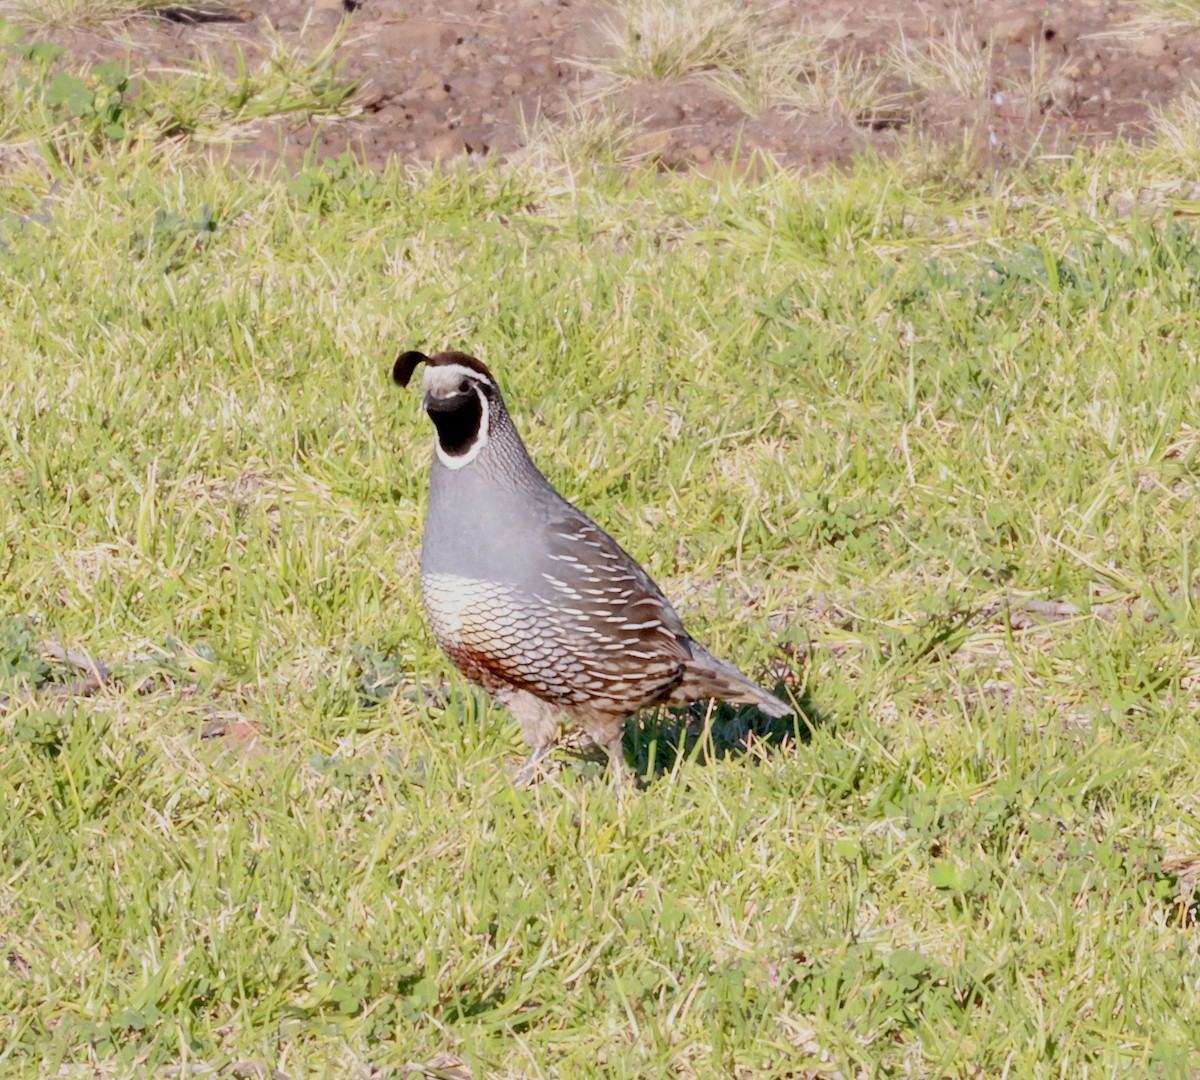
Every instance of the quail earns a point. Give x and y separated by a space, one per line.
530 598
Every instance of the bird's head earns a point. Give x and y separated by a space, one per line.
460 397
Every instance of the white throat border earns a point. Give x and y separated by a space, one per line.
444 376
481 437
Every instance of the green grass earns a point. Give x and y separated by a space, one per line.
858 416
51 109
74 13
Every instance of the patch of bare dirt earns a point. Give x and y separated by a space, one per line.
444 79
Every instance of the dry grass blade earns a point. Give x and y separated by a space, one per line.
585 135
1178 125
97 672
75 13
1048 84
1186 871
657 40
1178 15
444 1066
769 72
953 60
234 1070
851 85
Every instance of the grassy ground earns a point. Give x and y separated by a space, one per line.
863 419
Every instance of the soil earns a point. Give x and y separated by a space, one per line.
443 79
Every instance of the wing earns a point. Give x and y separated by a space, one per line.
587 627
603 600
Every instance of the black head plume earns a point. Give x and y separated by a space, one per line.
406 364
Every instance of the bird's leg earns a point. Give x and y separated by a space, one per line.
539 728
623 776
532 771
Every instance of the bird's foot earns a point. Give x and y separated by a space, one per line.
536 767
623 777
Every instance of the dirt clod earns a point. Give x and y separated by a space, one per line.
445 147
1018 26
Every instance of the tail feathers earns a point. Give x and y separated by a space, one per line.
708 677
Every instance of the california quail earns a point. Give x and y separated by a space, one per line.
529 597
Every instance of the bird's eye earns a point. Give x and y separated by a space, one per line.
463 386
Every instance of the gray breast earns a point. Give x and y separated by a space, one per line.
522 587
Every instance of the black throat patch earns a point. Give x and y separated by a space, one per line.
458 421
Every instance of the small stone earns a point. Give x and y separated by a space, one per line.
699 153
328 19
514 80
1021 26
1150 45
1072 69
650 143
475 89
415 35
660 113
1062 95
392 115
445 147
374 97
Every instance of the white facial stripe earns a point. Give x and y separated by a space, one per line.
480 440
444 378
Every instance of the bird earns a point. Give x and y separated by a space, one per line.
530 598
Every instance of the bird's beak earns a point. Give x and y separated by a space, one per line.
439 403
